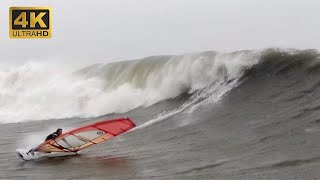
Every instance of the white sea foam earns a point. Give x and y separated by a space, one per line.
42 91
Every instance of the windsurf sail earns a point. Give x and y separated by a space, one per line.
83 137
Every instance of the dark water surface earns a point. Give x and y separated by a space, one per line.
268 127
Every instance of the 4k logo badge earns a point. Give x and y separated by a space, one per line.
30 22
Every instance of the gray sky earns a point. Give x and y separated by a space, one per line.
89 31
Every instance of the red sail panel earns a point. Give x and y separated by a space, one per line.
83 137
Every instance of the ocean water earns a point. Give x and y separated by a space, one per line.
242 115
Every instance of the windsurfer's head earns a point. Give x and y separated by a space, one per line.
59 131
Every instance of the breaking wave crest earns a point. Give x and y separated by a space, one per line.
41 91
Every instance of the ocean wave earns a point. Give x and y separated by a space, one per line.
41 91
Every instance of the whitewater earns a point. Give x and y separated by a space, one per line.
251 114
111 88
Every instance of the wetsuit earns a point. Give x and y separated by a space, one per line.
51 136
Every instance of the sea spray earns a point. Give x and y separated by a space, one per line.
39 91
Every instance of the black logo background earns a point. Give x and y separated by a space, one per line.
45 18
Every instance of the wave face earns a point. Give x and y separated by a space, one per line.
40 91
241 115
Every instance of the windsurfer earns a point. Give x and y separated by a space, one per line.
53 135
